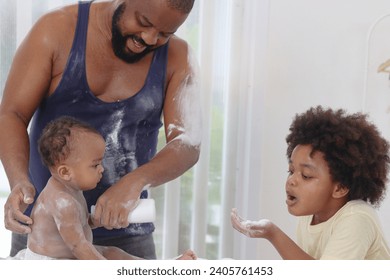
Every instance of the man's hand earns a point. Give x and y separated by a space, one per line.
20 197
113 207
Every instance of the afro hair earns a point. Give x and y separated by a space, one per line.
356 154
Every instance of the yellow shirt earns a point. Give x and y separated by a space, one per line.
353 233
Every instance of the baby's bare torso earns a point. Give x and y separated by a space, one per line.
60 221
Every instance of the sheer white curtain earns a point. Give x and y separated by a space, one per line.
229 38
231 46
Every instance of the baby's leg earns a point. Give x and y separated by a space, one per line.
114 253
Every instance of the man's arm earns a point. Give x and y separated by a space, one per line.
27 83
182 120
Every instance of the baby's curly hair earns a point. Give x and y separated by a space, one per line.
356 154
54 145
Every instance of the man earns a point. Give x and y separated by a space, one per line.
118 66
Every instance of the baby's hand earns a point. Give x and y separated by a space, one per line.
253 229
90 222
187 255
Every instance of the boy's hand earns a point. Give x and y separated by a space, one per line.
253 229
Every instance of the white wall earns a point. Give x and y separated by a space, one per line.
316 55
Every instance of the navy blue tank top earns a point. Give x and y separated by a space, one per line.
130 127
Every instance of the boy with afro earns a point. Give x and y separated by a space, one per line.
338 166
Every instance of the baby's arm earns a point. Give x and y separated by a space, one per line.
72 230
286 247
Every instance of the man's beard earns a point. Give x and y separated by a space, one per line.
118 41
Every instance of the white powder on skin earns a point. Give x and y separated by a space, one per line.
62 203
40 207
39 239
130 205
173 127
189 106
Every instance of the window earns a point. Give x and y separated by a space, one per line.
193 211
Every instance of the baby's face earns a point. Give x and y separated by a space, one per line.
86 159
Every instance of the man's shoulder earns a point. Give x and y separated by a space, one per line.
62 17
179 54
178 46
53 29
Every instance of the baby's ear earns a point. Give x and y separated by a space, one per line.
340 191
64 172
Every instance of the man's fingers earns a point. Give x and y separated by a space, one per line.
13 221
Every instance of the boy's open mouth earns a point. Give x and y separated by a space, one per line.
291 199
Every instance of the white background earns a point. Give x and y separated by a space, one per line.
316 54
